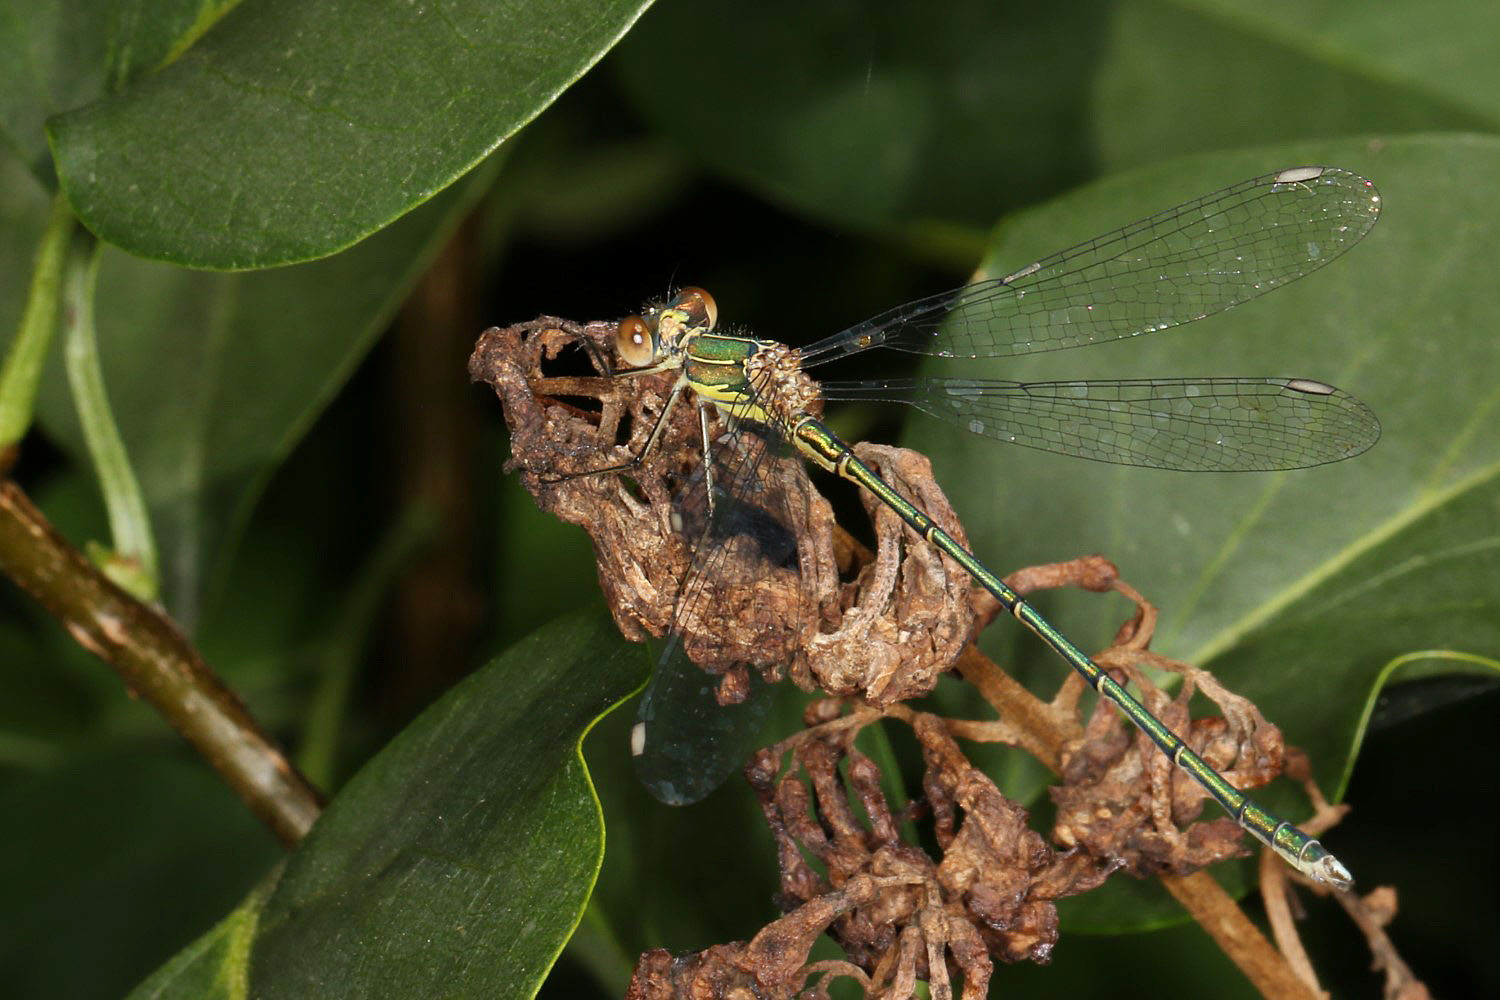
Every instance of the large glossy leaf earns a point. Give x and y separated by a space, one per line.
888 114
458 861
1298 588
59 54
291 130
213 378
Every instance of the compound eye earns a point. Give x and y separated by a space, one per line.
635 343
699 306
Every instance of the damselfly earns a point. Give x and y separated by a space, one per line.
1177 266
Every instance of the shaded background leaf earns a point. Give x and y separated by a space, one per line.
171 843
886 118
463 853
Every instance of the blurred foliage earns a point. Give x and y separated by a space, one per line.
811 164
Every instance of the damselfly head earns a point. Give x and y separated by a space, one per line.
663 330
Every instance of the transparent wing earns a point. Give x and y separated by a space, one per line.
688 744
685 743
1210 424
1177 266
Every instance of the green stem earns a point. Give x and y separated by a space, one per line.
128 522
28 352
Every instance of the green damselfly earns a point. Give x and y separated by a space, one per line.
1177 266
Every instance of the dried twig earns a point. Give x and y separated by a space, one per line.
156 662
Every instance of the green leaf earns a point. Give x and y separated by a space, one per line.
885 116
59 54
1425 590
214 378
293 130
1296 589
459 860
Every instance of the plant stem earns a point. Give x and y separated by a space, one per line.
28 352
1239 939
129 525
156 662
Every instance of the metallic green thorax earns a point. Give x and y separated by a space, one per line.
715 366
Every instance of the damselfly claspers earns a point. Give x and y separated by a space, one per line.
1177 266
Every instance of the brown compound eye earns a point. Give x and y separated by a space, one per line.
635 342
698 305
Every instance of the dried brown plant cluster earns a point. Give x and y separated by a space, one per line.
883 631
874 629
